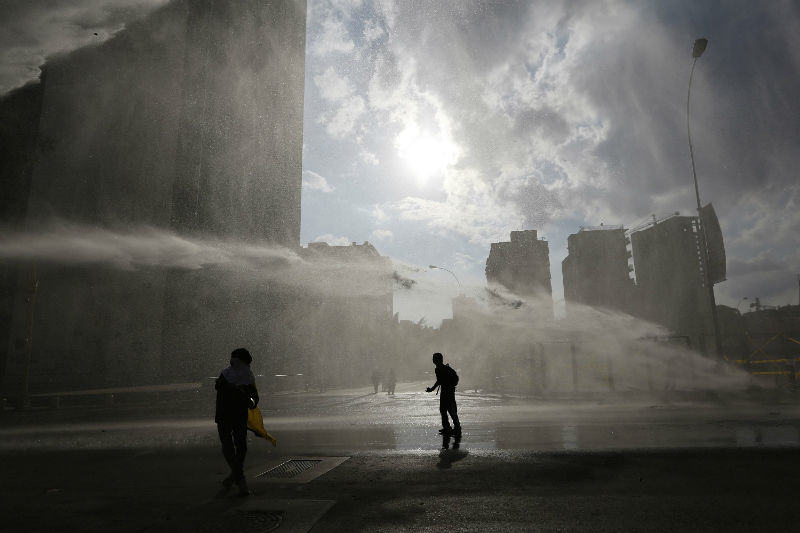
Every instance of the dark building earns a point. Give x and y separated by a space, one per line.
189 120
522 266
670 282
19 119
596 271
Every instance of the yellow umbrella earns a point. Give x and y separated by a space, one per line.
255 423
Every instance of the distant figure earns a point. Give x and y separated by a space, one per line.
391 381
236 393
447 379
376 380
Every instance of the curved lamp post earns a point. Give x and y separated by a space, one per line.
451 273
697 50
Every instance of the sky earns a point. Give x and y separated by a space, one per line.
432 129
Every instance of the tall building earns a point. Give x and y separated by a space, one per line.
189 120
596 270
670 281
522 266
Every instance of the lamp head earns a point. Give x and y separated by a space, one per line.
699 47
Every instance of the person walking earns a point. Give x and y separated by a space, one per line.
446 380
236 393
376 380
391 381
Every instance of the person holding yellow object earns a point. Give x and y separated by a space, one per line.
236 395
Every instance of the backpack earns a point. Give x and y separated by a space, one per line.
450 376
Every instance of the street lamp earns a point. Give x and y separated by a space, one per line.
697 50
451 273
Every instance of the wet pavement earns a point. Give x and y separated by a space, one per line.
356 421
600 464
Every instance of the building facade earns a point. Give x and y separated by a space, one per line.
190 121
522 267
670 280
595 271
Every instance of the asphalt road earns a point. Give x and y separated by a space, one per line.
522 465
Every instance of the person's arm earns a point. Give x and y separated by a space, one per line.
253 395
433 387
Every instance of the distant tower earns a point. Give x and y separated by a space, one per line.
596 271
522 266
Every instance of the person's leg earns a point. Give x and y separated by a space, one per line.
453 410
225 439
239 432
443 412
228 451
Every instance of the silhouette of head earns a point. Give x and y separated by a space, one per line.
437 358
242 354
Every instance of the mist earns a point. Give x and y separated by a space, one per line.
499 340
147 248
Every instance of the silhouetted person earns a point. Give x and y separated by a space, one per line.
391 381
446 379
236 393
376 380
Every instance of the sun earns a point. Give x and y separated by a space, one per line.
425 155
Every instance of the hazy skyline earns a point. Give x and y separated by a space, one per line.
434 128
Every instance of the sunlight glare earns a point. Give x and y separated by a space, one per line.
426 155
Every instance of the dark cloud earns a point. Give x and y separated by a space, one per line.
740 267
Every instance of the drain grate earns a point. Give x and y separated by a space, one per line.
290 468
250 521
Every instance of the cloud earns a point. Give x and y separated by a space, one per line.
379 214
314 182
333 39
373 30
342 122
382 235
33 30
332 86
762 263
333 240
470 211
466 262
369 157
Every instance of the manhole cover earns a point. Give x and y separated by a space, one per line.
290 468
246 522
